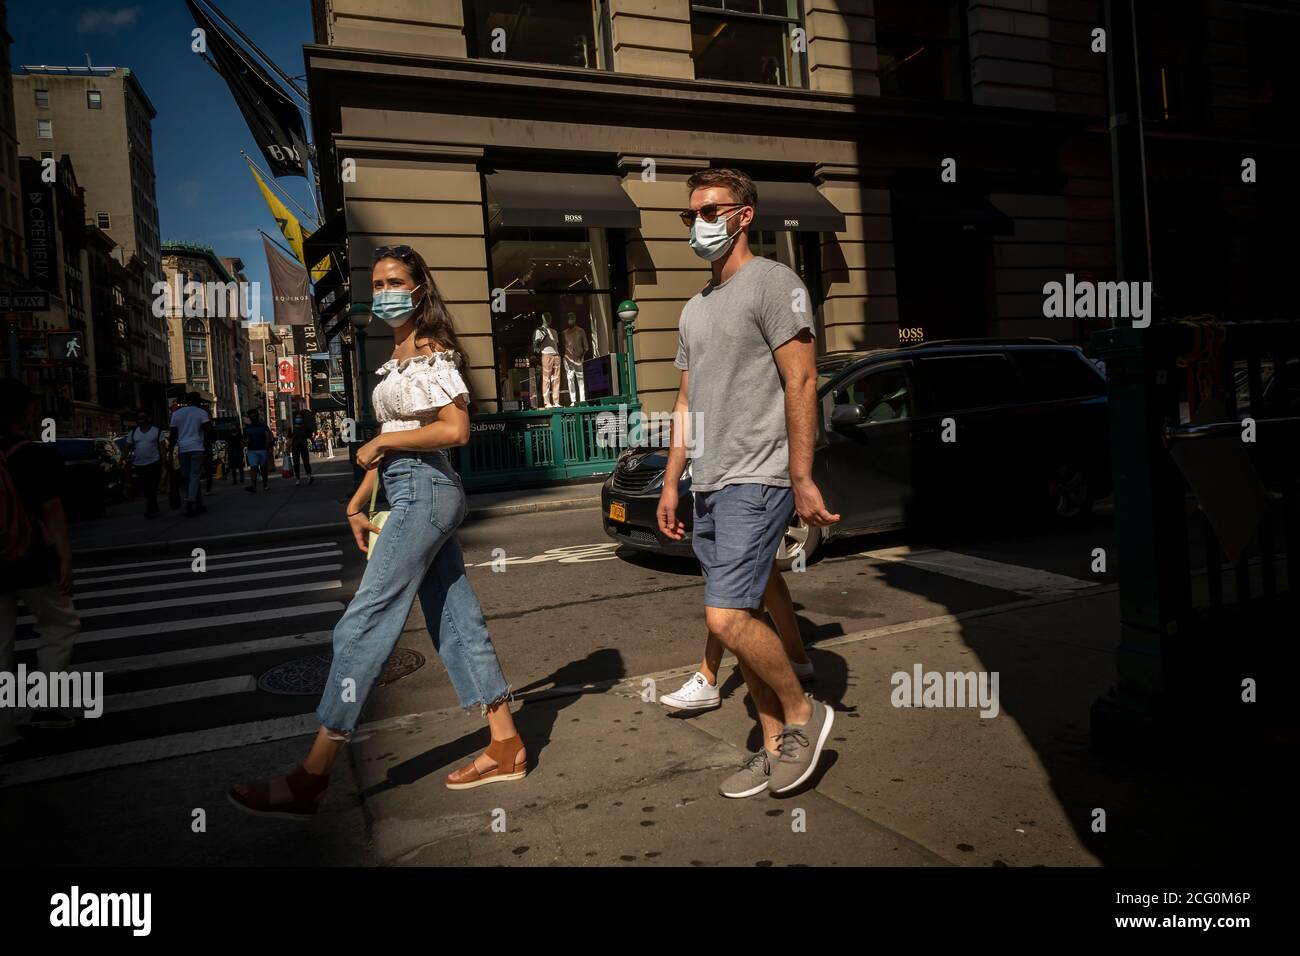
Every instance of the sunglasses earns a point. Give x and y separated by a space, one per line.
394 252
708 212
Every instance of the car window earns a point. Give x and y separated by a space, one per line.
970 381
884 394
1051 374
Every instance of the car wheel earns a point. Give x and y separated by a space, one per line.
1069 492
799 540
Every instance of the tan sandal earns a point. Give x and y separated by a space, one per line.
295 796
504 754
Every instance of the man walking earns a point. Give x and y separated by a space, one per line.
35 555
257 439
235 455
190 426
144 443
748 361
300 448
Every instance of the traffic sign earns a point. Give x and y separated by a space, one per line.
24 300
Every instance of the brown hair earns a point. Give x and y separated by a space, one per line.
433 321
742 188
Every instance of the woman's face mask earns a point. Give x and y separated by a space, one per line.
710 240
394 306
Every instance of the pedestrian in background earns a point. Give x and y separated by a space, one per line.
144 445
299 448
257 438
190 426
35 554
235 455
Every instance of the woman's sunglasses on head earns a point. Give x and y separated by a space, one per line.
708 212
395 252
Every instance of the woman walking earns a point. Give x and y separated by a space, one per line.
422 402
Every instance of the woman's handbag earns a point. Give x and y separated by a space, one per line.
377 518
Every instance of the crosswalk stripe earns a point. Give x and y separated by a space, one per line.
218 566
205 581
994 574
178 693
200 599
199 655
155 748
185 559
190 624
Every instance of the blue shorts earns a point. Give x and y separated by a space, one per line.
256 459
736 532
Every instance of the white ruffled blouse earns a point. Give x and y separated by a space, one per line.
411 391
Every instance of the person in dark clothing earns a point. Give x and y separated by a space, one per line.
299 437
37 563
257 440
235 456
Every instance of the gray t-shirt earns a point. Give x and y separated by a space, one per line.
726 338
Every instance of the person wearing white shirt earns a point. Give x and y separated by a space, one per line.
144 442
189 424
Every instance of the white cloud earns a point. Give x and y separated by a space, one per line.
106 19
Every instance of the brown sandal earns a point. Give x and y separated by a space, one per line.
295 796
504 753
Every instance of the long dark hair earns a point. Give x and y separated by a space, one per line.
433 321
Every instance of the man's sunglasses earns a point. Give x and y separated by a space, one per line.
394 252
708 212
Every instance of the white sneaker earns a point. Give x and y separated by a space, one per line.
804 672
696 694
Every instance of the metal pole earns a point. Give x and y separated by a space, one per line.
15 366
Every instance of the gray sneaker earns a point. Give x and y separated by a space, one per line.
801 746
751 778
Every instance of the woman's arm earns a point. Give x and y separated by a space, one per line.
450 430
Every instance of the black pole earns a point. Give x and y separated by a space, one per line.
1127 148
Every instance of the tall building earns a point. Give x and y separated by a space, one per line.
205 311
13 254
102 118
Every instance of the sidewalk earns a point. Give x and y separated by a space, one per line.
285 510
617 780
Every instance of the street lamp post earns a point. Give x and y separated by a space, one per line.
627 311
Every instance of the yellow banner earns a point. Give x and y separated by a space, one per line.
290 227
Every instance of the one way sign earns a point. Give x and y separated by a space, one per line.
24 300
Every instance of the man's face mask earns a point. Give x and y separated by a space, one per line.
711 240
394 306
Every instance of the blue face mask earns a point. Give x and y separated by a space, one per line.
394 306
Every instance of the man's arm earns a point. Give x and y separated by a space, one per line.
667 510
797 362
56 524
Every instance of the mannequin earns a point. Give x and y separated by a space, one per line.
547 343
576 346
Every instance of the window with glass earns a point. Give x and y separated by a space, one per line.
198 368
750 41
94 100
103 220
921 49
44 129
561 32
195 345
42 98
557 303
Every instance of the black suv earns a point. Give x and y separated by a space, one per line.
924 433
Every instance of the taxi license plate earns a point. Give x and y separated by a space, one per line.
617 511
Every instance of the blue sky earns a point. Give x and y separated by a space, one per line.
205 193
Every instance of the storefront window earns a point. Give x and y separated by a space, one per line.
750 41
556 325
562 32
921 47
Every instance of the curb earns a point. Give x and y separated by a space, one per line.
326 529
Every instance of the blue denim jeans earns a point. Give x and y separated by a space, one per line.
192 475
416 554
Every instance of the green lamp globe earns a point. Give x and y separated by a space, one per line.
627 310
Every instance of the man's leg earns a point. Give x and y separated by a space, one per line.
56 627
763 661
187 462
780 607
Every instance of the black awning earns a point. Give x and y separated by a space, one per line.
332 236
339 320
330 283
970 212
521 198
795 207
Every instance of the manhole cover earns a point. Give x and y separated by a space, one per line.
307 675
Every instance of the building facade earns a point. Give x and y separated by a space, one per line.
926 166
102 118
205 309
13 254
